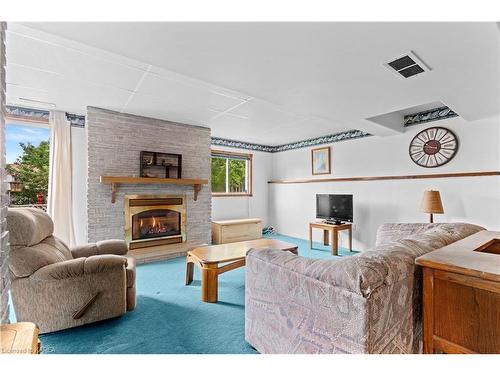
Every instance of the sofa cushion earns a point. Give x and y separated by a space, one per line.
23 261
396 260
104 263
117 247
28 226
383 265
60 271
394 232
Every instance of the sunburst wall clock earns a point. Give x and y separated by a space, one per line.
433 147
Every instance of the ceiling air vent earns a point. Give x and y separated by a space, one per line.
407 66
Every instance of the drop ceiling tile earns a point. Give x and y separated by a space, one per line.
185 93
190 81
32 31
315 126
15 92
67 94
238 124
301 130
236 130
73 64
167 109
264 113
20 75
77 100
266 123
288 135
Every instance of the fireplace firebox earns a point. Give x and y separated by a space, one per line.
154 220
156 223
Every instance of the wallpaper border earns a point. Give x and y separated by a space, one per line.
42 115
436 114
423 117
332 138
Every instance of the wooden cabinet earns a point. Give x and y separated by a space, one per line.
461 296
227 231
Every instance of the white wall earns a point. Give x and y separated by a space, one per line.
291 207
79 180
244 207
472 199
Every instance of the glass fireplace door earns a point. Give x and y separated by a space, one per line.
156 223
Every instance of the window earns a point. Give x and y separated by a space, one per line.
27 159
231 173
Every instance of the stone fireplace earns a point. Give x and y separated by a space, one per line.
154 220
115 141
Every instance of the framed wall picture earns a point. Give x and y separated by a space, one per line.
320 160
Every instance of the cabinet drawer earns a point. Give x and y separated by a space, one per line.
241 232
236 230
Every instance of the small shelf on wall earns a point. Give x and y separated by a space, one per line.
161 165
114 181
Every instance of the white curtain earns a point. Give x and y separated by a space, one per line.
59 203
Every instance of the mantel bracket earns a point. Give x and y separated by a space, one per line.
197 188
113 192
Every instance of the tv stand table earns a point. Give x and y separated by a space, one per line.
330 234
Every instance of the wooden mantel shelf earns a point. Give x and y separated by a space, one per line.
116 180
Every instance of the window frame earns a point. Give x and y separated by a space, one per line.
249 172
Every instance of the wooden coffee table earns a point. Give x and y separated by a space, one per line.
217 259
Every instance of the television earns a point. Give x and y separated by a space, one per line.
334 208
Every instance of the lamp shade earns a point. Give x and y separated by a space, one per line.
431 202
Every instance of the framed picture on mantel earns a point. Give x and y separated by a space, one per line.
320 160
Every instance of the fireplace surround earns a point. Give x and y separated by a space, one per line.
114 143
154 220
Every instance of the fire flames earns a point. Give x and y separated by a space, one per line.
154 226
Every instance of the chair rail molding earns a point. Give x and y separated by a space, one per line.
381 178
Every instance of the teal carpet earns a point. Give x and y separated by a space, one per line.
170 317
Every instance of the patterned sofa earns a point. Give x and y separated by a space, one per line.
366 303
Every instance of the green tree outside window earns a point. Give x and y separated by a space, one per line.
32 169
218 175
229 175
237 175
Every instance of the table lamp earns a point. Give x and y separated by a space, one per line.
431 203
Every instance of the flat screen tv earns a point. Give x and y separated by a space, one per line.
334 207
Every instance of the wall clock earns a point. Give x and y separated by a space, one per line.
433 147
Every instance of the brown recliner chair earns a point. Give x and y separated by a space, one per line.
57 287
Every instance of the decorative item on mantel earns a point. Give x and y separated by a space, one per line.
160 165
431 203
